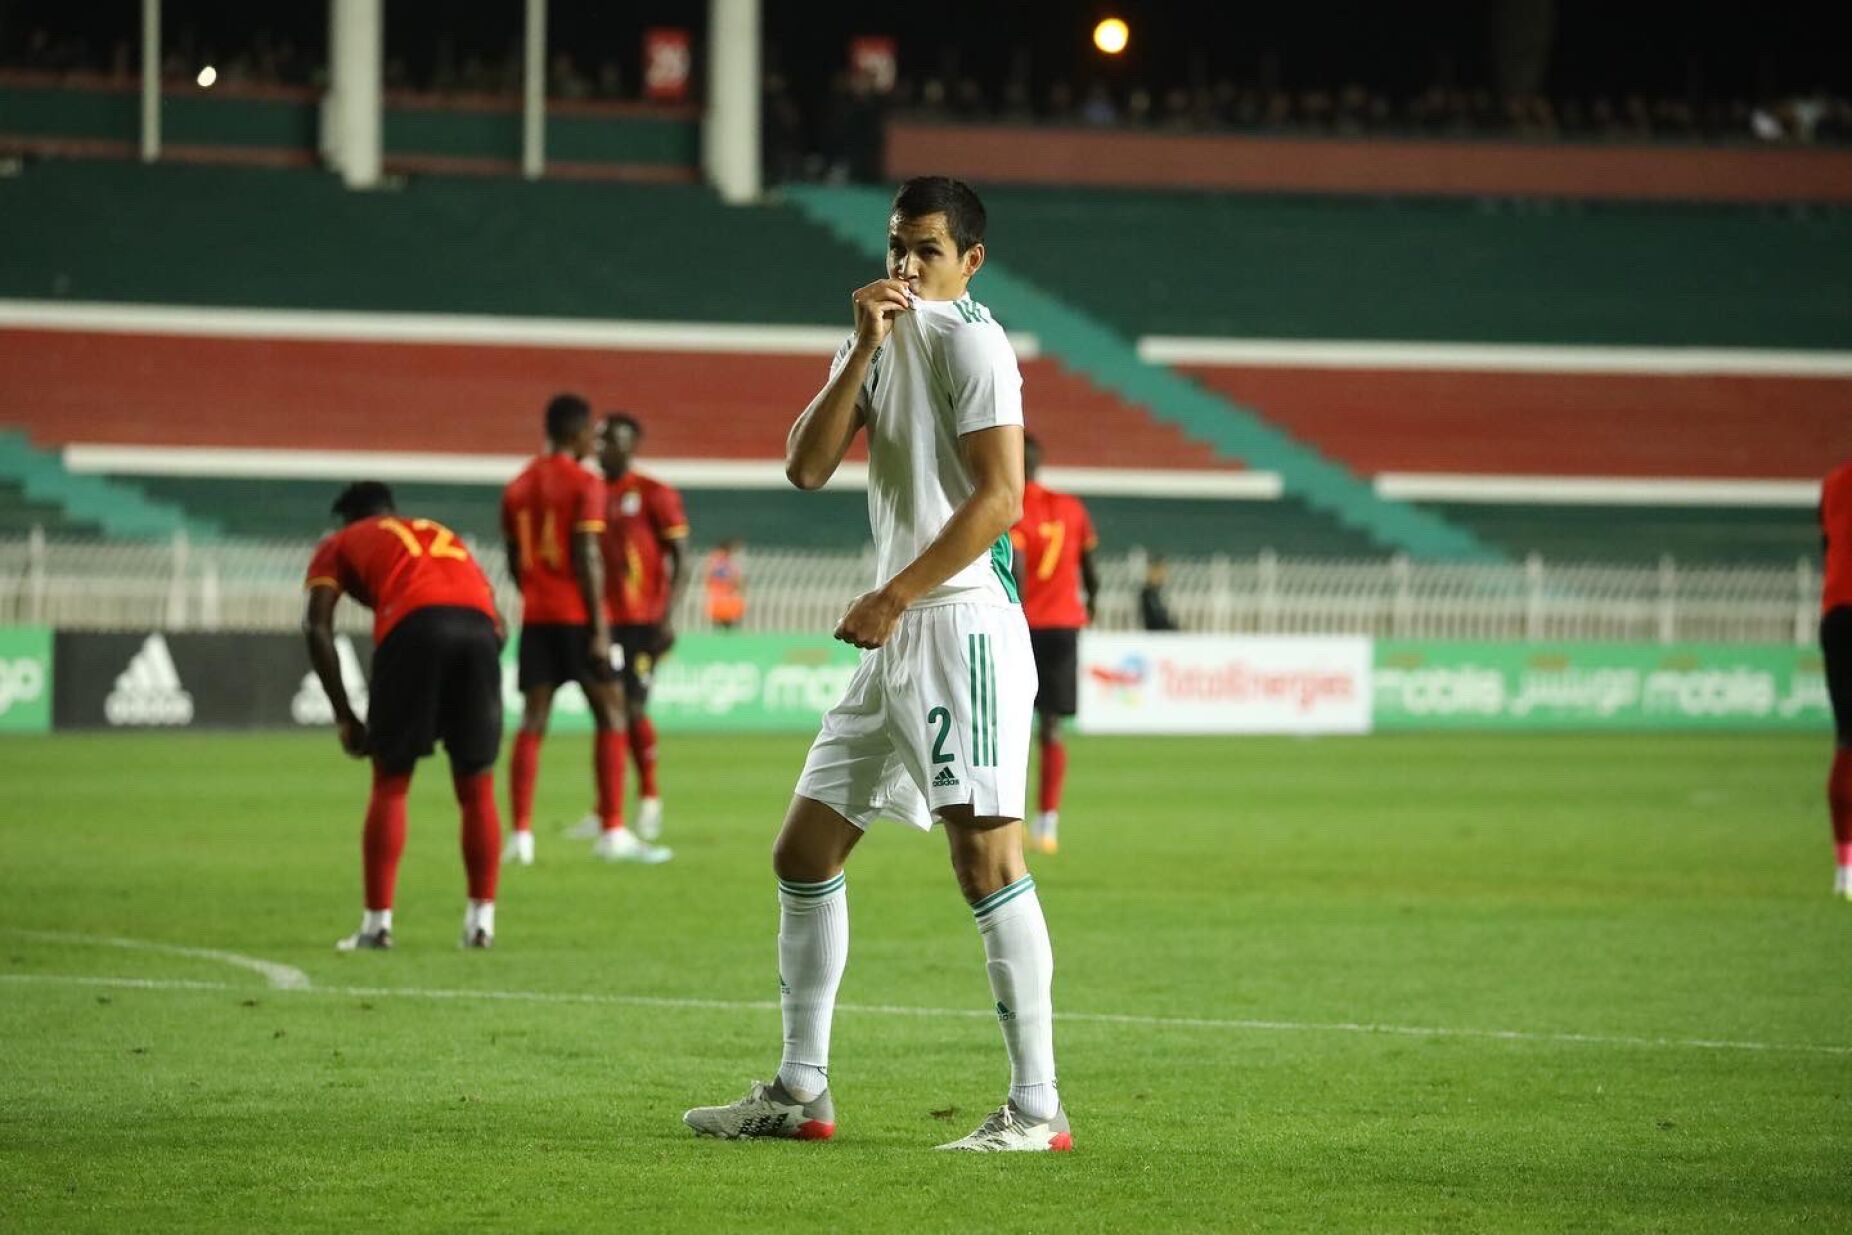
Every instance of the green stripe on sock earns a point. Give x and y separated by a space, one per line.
812 890
996 898
1003 898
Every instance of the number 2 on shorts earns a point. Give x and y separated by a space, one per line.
942 718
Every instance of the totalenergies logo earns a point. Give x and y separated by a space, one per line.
1125 681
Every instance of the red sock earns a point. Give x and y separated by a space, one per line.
1054 772
1839 801
383 840
610 751
482 833
643 750
523 771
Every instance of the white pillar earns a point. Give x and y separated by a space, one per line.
534 105
730 145
150 80
352 115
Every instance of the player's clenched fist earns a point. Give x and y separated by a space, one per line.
870 621
875 306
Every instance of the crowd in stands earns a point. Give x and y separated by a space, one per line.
842 140
1357 110
804 136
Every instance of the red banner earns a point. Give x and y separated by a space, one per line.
668 60
875 57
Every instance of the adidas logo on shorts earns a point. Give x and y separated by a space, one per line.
946 779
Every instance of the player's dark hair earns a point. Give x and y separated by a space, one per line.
363 499
1031 452
964 213
567 415
614 419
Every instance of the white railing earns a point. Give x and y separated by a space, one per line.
256 585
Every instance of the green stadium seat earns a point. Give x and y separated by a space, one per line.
1642 534
1458 270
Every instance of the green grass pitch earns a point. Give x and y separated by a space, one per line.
1247 936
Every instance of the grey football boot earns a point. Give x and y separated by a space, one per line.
1008 1130
767 1110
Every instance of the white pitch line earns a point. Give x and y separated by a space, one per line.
282 977
1085 1018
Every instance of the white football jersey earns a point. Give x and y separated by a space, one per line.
946 369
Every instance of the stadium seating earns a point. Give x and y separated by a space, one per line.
302 395
72 502
1141 263
229 236
836 520
1738 535
1491 273
1553 424
608 251
19 514
1456 270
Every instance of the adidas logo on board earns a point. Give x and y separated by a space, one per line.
311 706
149 691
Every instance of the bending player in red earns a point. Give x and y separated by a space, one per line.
645 571
552 519
1836 644
436 674
1054 544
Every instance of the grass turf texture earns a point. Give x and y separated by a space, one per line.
1657 888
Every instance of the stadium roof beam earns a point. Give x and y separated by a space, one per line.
730 145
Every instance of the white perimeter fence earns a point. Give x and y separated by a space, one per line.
256 585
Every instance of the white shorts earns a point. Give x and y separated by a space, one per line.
939 716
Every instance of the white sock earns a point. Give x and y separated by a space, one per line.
480 916
1022 973
813 949
375 920
1050 820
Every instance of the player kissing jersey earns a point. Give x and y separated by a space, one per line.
947 369
396 566
553 498
1051 536
641 515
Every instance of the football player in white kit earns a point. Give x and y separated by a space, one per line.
936 721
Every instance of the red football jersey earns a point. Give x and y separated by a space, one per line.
1053 533
641 516
1836 526
543 507
395 565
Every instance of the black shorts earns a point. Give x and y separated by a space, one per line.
437 675
639 644
1836 643
553 655
1057 666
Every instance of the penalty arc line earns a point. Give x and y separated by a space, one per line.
1095 1018
280 976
